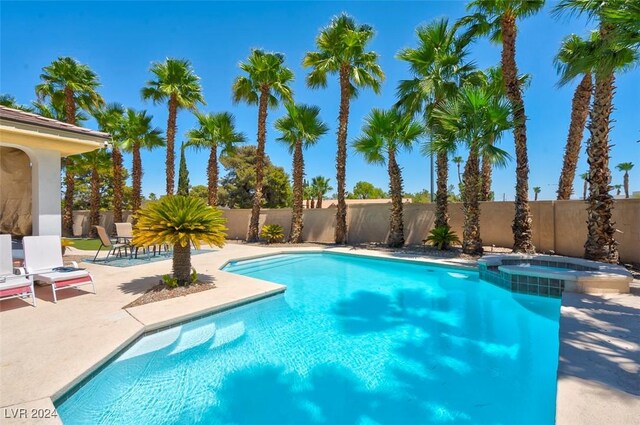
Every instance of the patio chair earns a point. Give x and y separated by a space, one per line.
105 242
124 232
43 259
13 285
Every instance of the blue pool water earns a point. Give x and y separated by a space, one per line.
352 341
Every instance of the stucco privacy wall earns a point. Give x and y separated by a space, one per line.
557 225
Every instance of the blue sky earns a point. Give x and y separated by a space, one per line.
120 40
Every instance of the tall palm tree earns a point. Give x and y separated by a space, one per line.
176 83
109 120
342 50
97 163
458 161
478 119
319 187
71 86
585 187
213 131
267 81
536 192
572 61
614 50
497 18
138 133
384 134
626 167
299 129
439 66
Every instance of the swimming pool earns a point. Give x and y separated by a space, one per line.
352 341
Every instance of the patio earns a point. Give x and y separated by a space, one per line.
47 349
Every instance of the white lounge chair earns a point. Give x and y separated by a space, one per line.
42 255
13 285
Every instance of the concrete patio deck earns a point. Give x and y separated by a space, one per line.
46 350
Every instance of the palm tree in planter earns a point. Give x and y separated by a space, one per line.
383 135
109 120
299 129
267 82
626 167
497 18
71 87
478 119
138 133
536 192
319 187
215 131
175 83
179 221
342 50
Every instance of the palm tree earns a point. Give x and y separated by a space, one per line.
176 83
213 131
618 188
70 86
384 134
319 187
536 191
498 19
267 82
109 120
308 193
97 163
585 177
478 119
180 221
458 161
614 50
439 66
570 63
342 50
138 133
626 167
10 102
299 129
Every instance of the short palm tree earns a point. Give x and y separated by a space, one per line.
71 86
626 167
299 129
319 187
342 51
176 83
458 161
109 120
497 18
478 119
536 192
179 221
572 61
439 66
97 163
267 81
615 50
384 134
138 133
618 188
213 131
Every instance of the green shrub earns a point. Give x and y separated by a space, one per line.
170 281
442 237
272 233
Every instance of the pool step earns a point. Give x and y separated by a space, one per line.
266 264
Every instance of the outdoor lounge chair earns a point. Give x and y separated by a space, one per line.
105 242
43 259
13 285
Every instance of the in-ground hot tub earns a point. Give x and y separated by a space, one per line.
549 275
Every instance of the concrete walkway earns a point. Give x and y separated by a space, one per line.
46 350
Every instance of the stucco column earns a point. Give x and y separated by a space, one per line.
45 186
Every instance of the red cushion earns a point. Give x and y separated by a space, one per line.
15 291
63 283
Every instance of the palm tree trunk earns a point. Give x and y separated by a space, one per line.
341 158
442 195
67 209
600 244
298 174
70 105
136 176
313 203
586 183
626 184
396 225
579 115
118 184
252 235
307 203
319 203
212 176
182 264
171 136
94 203
471 241
535 196
459 176
522 241
485 189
